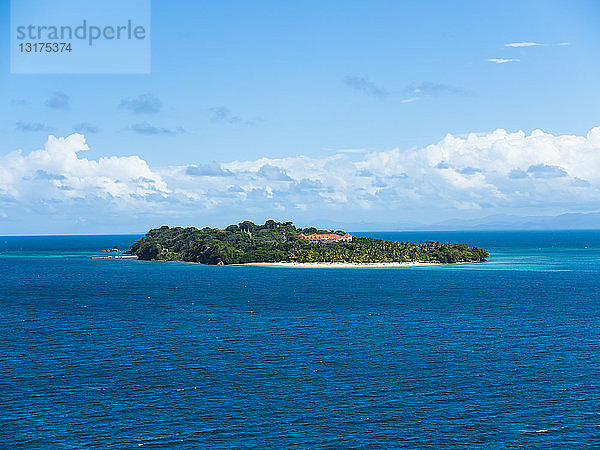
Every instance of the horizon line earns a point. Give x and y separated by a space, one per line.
358 231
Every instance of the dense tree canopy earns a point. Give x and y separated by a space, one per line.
277 242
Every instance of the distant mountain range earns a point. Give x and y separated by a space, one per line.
569 221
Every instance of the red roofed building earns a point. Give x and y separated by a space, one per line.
325 238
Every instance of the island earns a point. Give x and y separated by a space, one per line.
282 243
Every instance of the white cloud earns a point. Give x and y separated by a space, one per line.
350 150
57 174
564 43
484 173
503 60
522 44
410 100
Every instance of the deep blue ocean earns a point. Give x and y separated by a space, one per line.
124 353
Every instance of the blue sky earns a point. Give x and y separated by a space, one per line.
241 82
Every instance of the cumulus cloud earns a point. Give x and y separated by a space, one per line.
57 174
503 60
212 169
142 104
274 173
522 44
59 100
483 173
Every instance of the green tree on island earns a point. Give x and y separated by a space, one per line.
278 242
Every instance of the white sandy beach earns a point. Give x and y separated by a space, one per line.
336 265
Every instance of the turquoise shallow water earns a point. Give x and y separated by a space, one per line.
117 354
